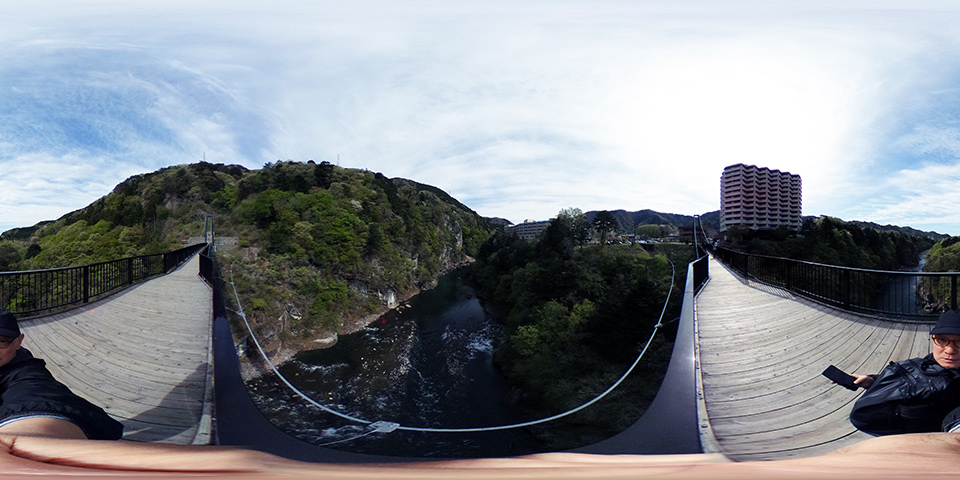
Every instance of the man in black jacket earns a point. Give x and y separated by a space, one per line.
914 395
32 402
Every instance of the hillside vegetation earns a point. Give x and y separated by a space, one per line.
944 256
317 245
629 221
576 315
833 241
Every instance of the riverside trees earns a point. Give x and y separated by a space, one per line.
605 222
575 316
330 242
944 256
833 241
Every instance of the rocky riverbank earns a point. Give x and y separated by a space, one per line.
279 351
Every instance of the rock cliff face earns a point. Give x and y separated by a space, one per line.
317 250
279 351
343 252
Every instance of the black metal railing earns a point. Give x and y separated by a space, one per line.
701 272
899 294
58 288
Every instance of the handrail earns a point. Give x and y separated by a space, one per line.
681 436
387 427
916 295
669 425
32 291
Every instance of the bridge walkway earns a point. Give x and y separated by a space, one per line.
143 355
761 352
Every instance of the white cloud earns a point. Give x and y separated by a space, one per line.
518 110
933 142
925 196
36 187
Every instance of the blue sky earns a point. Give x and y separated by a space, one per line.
517 109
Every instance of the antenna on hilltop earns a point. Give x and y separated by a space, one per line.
338 159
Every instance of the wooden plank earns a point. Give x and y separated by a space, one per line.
149 362
102 362
140 431
761 354
143 354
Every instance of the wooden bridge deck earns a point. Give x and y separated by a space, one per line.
761 351
143 355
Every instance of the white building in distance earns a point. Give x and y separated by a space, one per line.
528 230
758 198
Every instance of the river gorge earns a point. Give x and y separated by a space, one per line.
426 364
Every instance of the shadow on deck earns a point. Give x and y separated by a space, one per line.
143 355
761 352
744 379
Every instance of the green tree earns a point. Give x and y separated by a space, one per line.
944 256
575 317
11 253
649 231
605 222
576 223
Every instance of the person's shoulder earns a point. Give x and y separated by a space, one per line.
23 357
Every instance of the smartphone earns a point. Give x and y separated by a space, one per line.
840 377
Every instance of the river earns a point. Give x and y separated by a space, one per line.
425 365
900 293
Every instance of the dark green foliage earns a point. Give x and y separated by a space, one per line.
832 241
944 256
605 223
628 221
80 244
576 318
10 255
330 305
648 232
360 231
328 241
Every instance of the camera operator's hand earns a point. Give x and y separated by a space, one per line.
863 380
33 457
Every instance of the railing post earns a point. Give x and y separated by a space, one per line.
953 292
130 271
845 280
788 281
86 283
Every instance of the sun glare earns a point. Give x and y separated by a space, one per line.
729 109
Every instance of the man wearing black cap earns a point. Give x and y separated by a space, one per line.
946 340
915 395
32 402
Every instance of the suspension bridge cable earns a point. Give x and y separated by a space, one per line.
703 231
386 427
277 372
696 246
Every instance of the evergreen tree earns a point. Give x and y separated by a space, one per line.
605 222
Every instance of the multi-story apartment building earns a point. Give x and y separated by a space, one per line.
758 198
528 230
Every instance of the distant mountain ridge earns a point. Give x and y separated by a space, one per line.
904 230
711 220
629 221
335 246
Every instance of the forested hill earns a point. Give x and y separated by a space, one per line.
904 230
628 221
316 244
